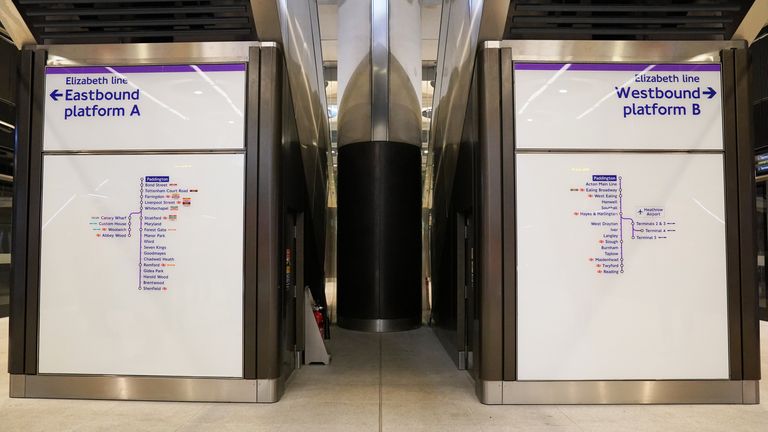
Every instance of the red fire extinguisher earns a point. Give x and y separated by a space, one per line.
317 311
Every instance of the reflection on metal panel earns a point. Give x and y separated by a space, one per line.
464 24
630 392
8 61
14 24
294 24
624 51
379 72
145 388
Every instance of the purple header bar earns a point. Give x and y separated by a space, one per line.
228 67
620 67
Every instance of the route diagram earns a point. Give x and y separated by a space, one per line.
605 213
160 201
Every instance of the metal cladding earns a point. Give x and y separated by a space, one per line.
379 71
379 186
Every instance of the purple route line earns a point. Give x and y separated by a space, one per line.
141 225
621 227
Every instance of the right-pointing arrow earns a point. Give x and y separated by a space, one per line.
56 94
710 92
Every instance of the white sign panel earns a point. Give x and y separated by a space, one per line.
145 107
142 265
621 266
638 106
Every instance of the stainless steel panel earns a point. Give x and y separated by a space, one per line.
462 360
294 24
509 216
404 104
626 392
250 235
18 299
754 21
379 70
489 343
155 53
269 225
405 72
355 97
490 392
269 390
593 51
733 258
266 18
463 25
751 392
34 210
750 321
17 387
149 388
300 38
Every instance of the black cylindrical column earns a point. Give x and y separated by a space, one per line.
379 243
379 166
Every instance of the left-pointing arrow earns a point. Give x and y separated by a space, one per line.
56 94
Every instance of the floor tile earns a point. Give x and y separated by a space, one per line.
410 385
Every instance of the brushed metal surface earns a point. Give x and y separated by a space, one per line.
17 386
295 26
751 392
145 388
489 337
490 392
462 360
463 25
586 51
266 18
754 21
379 70
154 53
300 39
626 392
269 390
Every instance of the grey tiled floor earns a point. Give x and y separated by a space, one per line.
391 382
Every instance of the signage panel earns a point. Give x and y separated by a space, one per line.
638 106
621 267
142 265
145 107
620 222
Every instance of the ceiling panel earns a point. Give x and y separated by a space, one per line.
625 20
103 21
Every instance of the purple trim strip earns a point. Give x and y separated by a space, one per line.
621 67
228 67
